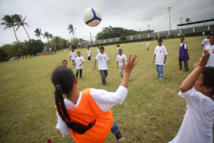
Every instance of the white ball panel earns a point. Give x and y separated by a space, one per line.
94 23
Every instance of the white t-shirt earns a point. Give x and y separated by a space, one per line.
119 59
98 51
160 52
210 49
147 44
79 60
73 55
118 50
105 101
198 121
88 53
205 42
185 45
102 59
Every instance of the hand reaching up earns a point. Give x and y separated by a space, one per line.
203 60
131 62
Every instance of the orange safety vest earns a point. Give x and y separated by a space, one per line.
86 112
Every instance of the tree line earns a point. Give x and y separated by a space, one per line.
112 32
32 46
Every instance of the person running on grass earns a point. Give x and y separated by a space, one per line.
147 45
86 114
210 49
88 53
79 61
73 56
102 58
198 90
206 41
119 60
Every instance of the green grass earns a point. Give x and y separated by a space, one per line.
152 111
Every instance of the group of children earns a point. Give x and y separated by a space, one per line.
87 114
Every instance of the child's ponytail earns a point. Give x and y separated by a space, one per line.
68 82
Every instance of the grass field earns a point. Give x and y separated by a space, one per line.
152 111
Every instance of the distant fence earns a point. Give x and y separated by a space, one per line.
154 34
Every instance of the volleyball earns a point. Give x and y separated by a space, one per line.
92 17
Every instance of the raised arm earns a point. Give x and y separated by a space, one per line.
189 82
117 64
154 58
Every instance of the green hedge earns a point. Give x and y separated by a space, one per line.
171 36
163 37
125 41
199 33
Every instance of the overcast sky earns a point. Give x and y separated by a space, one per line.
55 15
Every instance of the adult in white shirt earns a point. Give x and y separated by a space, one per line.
118 47
210 49
79 61
197 89
119 60
91 106
205 42
73 56
98 49
160 54
102 58
88 53
147 45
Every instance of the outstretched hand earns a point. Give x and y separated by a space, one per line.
131 62
203 60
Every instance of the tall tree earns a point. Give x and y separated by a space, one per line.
71 29
20 22
9 22
51 37
57 40
38 33
46 35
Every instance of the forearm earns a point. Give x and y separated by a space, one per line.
189 82
165 57
117 63
154 57
109 62
95 63
125 81
202 46
185 51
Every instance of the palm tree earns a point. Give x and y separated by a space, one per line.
21 22
38 33
51 36
46 35
9 22
57 40
71 29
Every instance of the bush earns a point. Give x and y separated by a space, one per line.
171 36
199 33
156 38
163 37
73 46
123 37
125 41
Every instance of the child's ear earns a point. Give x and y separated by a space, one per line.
75 81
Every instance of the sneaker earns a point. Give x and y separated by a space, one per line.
104 85
180 68
187 70
160 78
121 79
130 78
119 137
80 77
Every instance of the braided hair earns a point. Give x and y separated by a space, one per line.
63 79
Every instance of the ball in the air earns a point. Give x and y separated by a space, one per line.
92 17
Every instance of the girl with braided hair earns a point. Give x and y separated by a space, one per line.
86 114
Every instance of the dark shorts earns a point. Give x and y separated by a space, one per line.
89 58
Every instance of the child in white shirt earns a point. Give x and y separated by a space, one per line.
210 49
98 49
79 61
73 56
206 41
88 53
118 47
198 90
119 60
102 58
147 45
160 55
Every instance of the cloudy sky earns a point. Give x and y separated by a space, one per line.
55 15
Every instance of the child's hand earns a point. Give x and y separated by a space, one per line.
164 61
111 66
117 67
203 60
94 68
131 62
153 61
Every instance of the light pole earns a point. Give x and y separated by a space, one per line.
148 30
91 39
169 9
